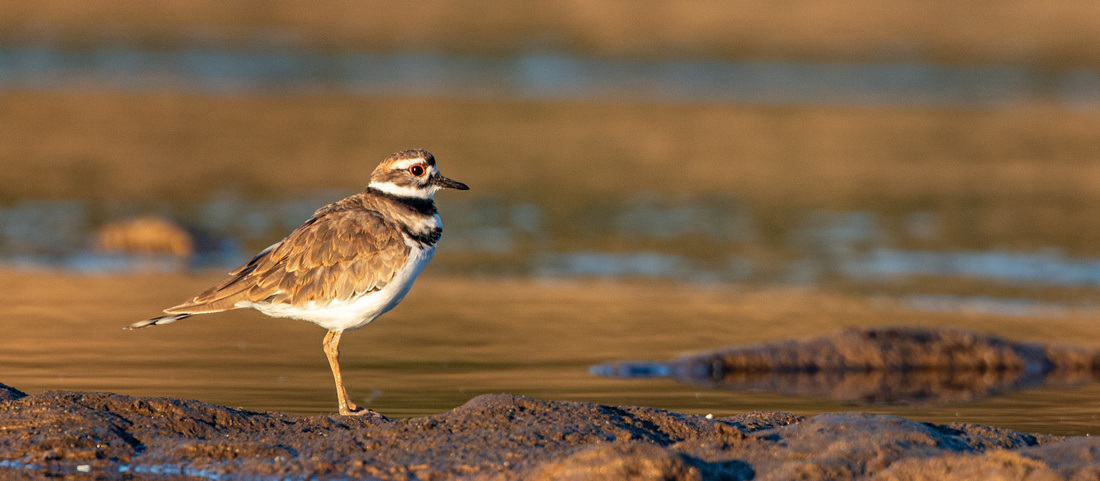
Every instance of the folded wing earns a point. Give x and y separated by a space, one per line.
337 255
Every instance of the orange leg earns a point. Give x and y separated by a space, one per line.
332 350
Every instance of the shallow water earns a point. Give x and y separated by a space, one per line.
696 240
455 338
525 299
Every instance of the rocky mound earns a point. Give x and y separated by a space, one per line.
507 437
880 365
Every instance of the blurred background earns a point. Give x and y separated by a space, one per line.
647 179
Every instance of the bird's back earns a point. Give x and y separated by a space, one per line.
345 250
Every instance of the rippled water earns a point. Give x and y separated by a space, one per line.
702 241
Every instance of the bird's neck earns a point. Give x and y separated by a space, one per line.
421 205
403 190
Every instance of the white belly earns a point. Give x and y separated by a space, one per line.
356 312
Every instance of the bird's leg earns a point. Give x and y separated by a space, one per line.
332 350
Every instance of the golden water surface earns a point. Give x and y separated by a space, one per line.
455 338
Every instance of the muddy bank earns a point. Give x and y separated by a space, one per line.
509 437
881 365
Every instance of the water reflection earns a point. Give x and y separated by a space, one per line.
702 240
641 264
1047 267
32 228
880 366
722 222
867 387
542 76
991 305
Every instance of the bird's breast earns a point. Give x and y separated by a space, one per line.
424 232
357 311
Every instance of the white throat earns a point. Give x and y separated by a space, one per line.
427 192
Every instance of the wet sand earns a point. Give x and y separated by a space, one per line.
509 437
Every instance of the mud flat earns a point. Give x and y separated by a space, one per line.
502 436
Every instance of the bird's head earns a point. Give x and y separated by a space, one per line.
411 173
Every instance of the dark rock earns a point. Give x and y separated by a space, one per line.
8 393
508 437
881 365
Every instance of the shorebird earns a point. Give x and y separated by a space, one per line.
353 261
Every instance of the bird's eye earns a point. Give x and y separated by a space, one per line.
417 170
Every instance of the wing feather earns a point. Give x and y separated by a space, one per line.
338 253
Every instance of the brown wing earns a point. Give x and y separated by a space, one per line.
336 255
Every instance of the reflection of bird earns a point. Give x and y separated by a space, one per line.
351 262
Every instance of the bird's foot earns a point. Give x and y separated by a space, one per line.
354 410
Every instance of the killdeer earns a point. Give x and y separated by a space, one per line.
351 262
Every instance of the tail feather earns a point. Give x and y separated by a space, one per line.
157 321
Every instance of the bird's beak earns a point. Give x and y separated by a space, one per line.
446 183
